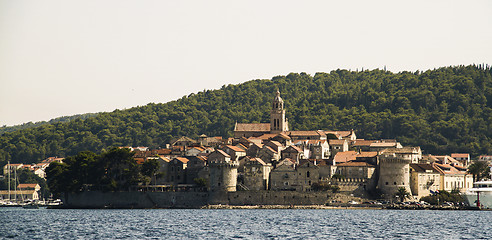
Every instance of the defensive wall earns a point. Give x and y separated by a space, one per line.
138 199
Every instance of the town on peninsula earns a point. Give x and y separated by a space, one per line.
267 164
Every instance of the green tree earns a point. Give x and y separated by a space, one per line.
479 170
149 169
402 194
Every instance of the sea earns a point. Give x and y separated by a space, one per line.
19 223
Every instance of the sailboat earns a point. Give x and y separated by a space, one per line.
8 202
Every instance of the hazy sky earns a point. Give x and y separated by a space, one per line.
60 58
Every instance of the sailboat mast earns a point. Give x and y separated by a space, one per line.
8 167
15 184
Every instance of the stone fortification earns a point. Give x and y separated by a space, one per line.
138 199
393 173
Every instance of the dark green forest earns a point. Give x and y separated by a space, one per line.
4 129
443 110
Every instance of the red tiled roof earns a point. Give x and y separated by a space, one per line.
294 147
460 155
336 142
165 158
303 133
283 135
361 142
27 185
345 156
257 160
422 167
355 164
253 127
223 153
367 154
234 148
182 159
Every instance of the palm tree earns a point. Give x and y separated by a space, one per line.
402 194
479 170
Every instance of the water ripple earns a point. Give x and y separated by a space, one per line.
20 223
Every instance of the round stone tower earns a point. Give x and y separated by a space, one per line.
223 172
223 176
394 173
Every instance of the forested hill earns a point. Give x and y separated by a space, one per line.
444 110
4 129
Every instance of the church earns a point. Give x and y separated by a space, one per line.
278 122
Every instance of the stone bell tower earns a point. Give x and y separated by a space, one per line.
278 122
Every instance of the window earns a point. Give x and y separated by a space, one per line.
307 175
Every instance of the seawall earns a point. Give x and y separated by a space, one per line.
137 199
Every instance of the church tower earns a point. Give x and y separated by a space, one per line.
278 122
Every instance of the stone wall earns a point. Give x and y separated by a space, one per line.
278 198
96 199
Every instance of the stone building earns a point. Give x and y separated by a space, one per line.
307 174
256 174
223 172
424 178
394 173
278 122
284 176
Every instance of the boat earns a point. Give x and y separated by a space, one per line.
31 205
480 195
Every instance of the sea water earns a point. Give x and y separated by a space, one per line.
18 223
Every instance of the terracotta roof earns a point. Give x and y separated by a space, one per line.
303 133
423 167
283 135
222 153
383 144
182 159
336 141
355 164
460 155
27 185
293 147
287 161
266 136
252 127
234 148
242 146
362 142
276 143
162 151
367 154
446 169
12 192
257 160
345 156
165 158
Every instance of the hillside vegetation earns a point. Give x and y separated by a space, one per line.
443 110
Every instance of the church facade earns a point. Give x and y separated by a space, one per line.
278 122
